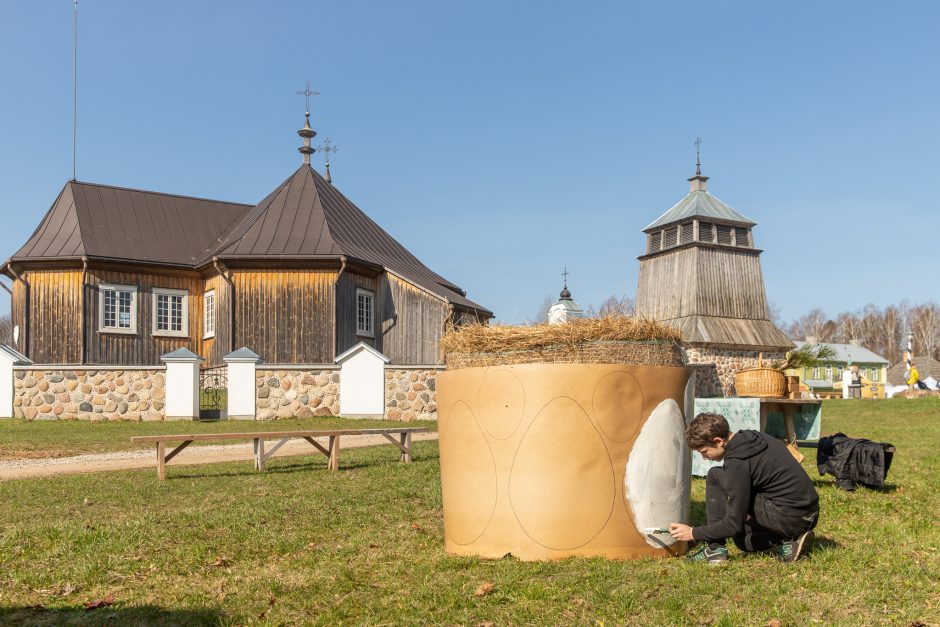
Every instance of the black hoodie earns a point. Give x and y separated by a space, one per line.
756 463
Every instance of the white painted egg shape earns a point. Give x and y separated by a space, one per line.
657 481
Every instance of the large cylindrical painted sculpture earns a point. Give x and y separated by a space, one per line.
546 461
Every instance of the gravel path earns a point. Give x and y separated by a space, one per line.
147 458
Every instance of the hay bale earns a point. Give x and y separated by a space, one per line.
607 340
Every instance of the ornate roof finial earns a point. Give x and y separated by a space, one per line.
326 147
699 181
306 132
565 294
698 159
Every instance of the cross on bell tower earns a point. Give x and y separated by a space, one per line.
306 132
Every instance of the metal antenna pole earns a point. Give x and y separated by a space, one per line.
74 89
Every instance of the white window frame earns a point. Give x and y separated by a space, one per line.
360 330
829 373
107 287
816 373
184 332
208 322
873 374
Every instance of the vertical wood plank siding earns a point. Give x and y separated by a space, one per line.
213 348
702 281
18 314
412 322
285 316
346 312
55 323
142 348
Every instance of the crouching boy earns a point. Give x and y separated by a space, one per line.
761 498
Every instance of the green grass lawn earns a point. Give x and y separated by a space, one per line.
60 438
222 544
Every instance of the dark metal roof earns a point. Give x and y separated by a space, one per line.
94 220
307 217
304 217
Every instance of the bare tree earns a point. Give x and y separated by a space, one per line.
925 324
6 330
616 306
542 314
773 312
814 324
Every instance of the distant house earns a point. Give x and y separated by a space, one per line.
926 366
118 276
826 379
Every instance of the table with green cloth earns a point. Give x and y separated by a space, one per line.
805 418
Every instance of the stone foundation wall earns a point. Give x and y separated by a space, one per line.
95 395
715 367
300 393
410 394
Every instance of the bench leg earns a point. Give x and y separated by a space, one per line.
254 451
259 459
161 461
406 447
334 452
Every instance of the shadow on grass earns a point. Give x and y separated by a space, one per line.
284 469
830 484
140 615
825 543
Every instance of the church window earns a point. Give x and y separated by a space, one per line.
117 309
365 300
208 325
170 312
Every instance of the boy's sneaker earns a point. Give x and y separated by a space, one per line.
711 554
795 549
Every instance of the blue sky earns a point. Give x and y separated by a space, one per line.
501 141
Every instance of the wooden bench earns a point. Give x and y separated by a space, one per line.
402 441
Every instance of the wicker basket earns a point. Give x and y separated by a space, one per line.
760 381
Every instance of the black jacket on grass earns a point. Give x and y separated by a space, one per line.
756 463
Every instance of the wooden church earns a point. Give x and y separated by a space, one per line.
116 276
701 274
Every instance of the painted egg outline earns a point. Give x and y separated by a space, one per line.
597 414
476 424
518 420
610 468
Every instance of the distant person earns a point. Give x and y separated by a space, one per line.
761 498
914 379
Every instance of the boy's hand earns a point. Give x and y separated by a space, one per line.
680 532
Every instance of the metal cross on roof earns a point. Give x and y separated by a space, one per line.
326 147
698 160
565 275
306 93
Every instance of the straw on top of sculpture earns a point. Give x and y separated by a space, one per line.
563 440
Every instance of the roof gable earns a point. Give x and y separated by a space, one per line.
699 204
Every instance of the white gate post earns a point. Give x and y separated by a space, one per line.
242 389
9 357
182 384
362 382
